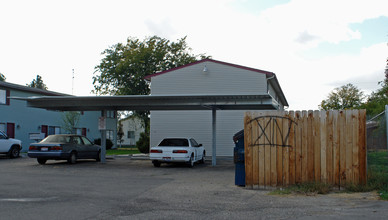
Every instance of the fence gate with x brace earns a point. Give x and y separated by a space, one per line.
289 147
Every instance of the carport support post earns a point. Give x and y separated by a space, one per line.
103 138
214 134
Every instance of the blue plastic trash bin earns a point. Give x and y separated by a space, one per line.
239 158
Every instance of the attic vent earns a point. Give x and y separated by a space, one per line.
205 69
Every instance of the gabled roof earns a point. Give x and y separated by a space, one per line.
271 77
8 85
210 60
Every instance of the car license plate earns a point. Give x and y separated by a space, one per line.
167 158
44 149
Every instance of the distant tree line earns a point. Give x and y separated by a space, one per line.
351 97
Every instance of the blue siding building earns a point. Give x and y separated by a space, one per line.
25 123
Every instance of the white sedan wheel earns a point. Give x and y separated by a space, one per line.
191 162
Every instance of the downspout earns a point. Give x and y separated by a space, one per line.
269 78
273 76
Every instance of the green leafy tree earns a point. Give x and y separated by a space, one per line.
122 70
37 83
377 100
2 78
70 121
344 97
143 144
120 133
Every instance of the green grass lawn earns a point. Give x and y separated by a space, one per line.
122 151
378 172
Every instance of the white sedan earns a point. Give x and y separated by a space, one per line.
171 150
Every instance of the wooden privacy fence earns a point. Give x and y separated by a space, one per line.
289 147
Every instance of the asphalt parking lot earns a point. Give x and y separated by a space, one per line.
124 188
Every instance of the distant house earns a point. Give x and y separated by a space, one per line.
132 127
30 124
209 77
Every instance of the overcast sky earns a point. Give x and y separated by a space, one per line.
312 46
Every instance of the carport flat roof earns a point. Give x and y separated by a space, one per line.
153 102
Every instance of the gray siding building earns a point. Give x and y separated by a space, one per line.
22 122
208 77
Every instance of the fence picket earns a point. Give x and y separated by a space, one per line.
279 154
291 142
304 146
329 147
342 146
310 147
286 157
336 148
262 155
349 147
298 147
267 150
362 146
255 152
274 152
247 149
355 148
317 145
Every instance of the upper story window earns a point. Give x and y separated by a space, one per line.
3 97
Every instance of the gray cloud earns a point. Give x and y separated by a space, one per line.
305 37
367 83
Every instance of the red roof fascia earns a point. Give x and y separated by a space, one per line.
210 60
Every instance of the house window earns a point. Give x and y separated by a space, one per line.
78 131
3 127
131 134
110 114
51 130
109 134
54 130
3 97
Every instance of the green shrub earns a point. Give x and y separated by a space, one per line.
143 144
109 143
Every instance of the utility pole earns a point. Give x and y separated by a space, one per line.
72 84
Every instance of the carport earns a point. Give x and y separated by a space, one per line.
155 103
